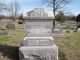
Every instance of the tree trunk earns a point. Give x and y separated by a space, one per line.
54 15
53 22
13 18
54 19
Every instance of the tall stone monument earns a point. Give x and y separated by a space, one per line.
38 45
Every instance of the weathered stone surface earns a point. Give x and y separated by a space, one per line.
39 32
39 23
38 28
38 45
38 48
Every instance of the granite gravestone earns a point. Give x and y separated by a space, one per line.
38 45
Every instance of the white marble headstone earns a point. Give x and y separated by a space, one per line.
38 45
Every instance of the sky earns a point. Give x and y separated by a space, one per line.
27 5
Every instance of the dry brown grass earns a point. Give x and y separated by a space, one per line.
9 44
69 45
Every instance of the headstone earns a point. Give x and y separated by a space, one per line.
78 28
10 26
69 28
38 45
57 31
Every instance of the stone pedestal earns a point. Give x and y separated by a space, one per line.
38 48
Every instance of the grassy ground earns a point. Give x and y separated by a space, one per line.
69 46
9 44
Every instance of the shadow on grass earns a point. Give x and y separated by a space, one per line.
11 52
62 56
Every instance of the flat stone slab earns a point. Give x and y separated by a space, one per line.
38 48
58 32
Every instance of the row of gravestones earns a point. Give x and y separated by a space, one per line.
46 27
37 25
8 26
5 28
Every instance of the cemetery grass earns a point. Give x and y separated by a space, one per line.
9 44
69 46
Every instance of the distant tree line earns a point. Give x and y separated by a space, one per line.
71 18
61 17
78 18
74 18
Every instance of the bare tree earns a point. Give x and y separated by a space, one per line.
13 9
2 5
3 8
56 5
16 8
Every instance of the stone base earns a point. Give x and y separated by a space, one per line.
38 48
